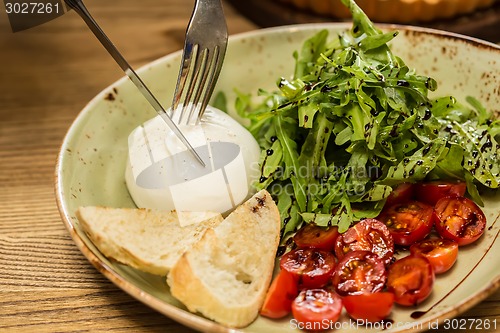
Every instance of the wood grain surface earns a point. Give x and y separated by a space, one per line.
47 75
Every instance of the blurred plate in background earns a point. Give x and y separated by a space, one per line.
482 22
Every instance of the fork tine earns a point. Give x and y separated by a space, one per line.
215 68
199 84
181 78
191 76
205 85
187 83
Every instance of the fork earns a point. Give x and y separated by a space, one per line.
202 58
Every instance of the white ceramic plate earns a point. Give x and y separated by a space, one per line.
90 169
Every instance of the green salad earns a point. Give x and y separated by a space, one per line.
353 122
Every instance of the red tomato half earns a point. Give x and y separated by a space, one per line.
369 307
312 268
367 235
401 193
408 222
459 219
359 272
317 237
315 307
410 279
279 298
431 192
441 253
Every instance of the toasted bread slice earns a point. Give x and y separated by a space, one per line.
225 276
148 240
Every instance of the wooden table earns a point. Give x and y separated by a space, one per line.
47 75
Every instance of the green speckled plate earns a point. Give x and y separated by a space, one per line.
90 168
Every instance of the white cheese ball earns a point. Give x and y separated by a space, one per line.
162 174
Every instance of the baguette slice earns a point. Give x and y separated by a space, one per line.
225 276
148 240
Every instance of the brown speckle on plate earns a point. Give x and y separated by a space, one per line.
110 97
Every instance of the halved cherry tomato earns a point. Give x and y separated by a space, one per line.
408 222
359 272
367 235
315 307
431 192
317 237
410 279
312 268
279 297
459 219
441 253
369 307
401 193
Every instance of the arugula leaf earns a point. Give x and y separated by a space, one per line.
415 167
482 114
311 50
290 158
290 218
450 165
481 153
220 101
342 218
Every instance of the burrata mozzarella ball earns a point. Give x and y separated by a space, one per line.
162 174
